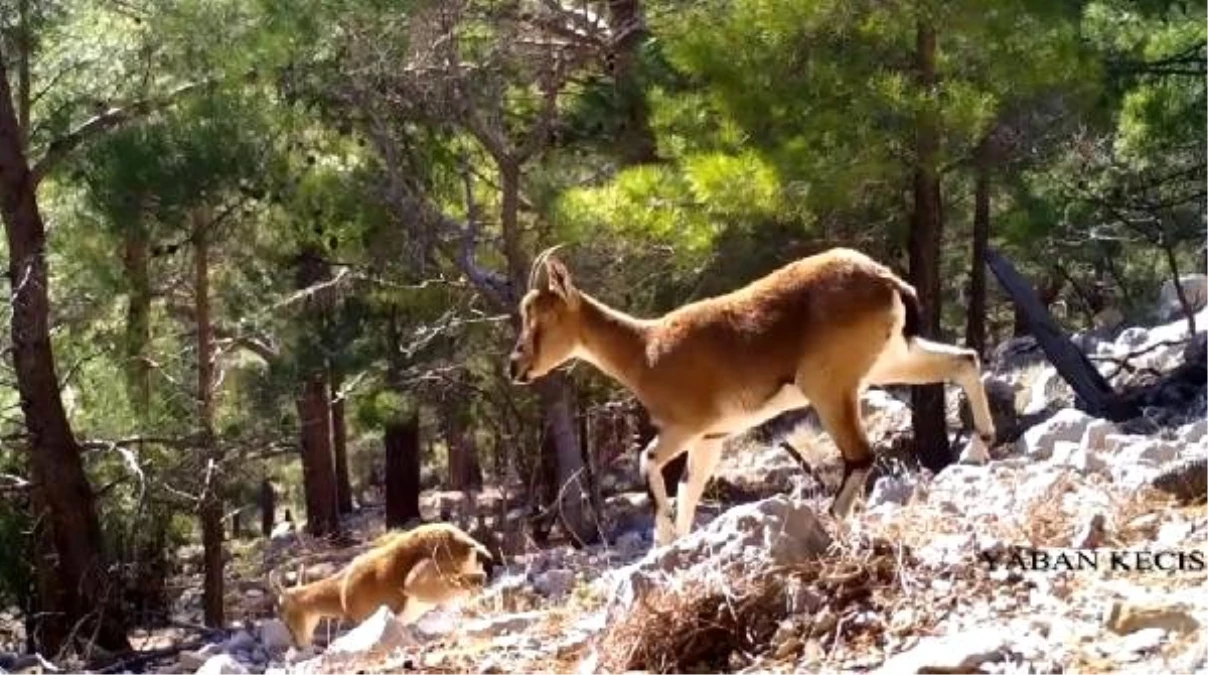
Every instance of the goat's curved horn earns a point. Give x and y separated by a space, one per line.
539 265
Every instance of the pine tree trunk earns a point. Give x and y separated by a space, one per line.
975 326
83 595
465 470
402 471
318 472
211 499
926 235
635 141
135 248
572 496
314 402
268 508
339 444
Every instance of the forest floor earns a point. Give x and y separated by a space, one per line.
1069 551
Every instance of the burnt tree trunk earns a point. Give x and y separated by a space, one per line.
1047 293
318 473
1092 389
211 491
975 326
339 444
83 597
268 508
402 471
926 235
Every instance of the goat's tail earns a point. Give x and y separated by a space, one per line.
913 325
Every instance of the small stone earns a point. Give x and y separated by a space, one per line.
222 664
190 660
1194 432
275 636
1095 436
381 631
240 641
554 583
1124 618
1069 424
1145 640
891 490
1092 533
501 625
964 652
1154 452
788 648
1175 533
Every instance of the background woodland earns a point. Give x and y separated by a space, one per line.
270 251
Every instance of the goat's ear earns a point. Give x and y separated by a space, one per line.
560 281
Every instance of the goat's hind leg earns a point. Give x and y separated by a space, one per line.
921 361
840 416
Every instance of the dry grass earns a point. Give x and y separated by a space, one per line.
701 627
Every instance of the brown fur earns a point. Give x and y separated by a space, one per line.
816 331
408 571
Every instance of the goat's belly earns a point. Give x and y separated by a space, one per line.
739 416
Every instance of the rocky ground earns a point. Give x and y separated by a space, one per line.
1081 546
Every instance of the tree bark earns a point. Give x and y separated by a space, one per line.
135 248
975 326
465 471
318 474
211 491
402 471
268 508
1181 294
926 235
83 596
635 142
339 444
314 402
25 94
572 496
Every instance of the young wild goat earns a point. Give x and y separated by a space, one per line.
814 332
408 571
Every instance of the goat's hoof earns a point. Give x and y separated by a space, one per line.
975 452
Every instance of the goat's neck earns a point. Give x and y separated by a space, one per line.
613 341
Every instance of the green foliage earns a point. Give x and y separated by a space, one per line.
782 127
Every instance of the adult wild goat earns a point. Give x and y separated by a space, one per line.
816 332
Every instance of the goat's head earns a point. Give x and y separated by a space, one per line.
549 321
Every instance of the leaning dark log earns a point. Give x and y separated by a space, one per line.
1096 395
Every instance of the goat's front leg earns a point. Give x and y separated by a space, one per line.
661 449
702 461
